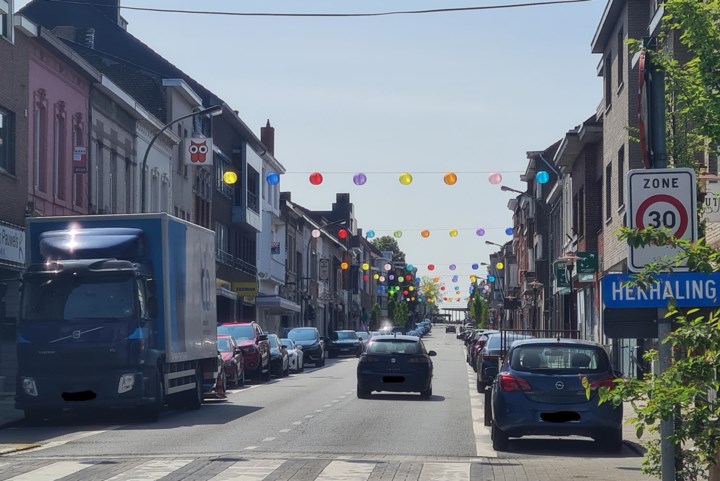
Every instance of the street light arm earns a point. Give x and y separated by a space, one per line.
214 110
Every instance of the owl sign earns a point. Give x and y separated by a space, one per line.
198 151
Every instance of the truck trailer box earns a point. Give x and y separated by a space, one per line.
182 257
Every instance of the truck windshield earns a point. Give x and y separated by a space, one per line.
78 298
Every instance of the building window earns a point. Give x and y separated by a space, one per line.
621 56
253 185
6 19
221 237
7 135
607 68
78 184
60 166
579 213
608 192
40 143
621 177
129 184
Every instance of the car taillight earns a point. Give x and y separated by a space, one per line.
510 383
420 359
608 382
490 357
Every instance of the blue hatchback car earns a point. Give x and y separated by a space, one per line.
539 391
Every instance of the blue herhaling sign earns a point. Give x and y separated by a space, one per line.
688 289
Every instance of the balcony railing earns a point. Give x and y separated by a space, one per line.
235 262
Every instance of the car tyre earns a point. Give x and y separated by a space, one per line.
301 368
286 372
241 378
499 438
265 375
611 442
481 386
426 394
363 393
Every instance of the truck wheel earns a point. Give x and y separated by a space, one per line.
151 412
194 397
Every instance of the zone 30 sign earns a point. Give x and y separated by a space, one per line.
661 198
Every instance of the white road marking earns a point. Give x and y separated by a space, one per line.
327 405
483 444
267 440
53 471
345 471
285 430
445 471
151 470
297 423
335 401
318 410
70 438
251 447
247 470
309 416
342 397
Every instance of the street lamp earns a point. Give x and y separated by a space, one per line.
569 260
536 286
505 188
306 277
493 244
213 110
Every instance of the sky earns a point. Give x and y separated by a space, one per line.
465 92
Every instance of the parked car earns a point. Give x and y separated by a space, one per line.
308 338
397 364
254 345
478 345
279 362
232 360
489 357
450 328
539 391
363 336
295 355
345 342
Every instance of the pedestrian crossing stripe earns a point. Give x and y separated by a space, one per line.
247 470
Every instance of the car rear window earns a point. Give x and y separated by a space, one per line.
392 346
494 340
565 359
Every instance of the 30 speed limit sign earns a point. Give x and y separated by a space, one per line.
661 198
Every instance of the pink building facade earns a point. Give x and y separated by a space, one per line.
57 130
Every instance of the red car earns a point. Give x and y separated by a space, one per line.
232 360
253 343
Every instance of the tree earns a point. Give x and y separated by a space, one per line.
685 390
387 243
375 317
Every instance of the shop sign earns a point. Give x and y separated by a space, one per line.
12 244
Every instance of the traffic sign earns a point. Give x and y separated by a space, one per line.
685 289
661 198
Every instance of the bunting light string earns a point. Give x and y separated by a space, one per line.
405 178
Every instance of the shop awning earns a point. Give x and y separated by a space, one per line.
277 304
223 292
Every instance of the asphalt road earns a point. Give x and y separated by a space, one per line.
312 412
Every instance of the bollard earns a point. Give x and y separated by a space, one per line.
488 408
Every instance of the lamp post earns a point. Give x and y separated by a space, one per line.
213 110
569 260
536 286
306 291
493 244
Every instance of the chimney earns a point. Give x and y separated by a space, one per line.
267 137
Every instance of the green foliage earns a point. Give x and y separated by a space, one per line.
387 243
686 391
400 313
479 309
375 317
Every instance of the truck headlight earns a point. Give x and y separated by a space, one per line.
28 385
127 381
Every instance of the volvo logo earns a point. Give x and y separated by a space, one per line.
76 334
559 385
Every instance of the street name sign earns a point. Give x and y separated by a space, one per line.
687 289
661 198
